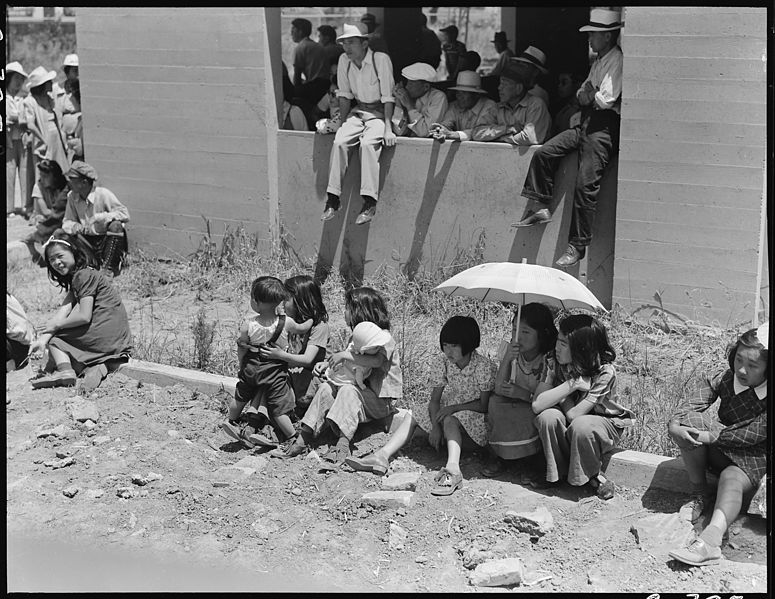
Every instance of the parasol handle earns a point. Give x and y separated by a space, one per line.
514 365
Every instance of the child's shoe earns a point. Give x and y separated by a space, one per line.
697 553
262 440
375 462
239 431
59 378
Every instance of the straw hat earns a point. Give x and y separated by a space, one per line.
419 71
15 67
469 81
39 76
535 57
601 19
357 30
71 60
510 71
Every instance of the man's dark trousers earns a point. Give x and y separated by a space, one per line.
596 139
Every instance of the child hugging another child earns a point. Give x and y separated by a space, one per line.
267 376
462 381
578 417
89 334
345 405
511 431
731 443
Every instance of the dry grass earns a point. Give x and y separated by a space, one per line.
187 314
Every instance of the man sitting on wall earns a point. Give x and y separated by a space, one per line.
367 78
309 60
470 109
522 119
595 139
96 214
418 103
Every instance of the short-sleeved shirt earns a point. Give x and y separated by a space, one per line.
602 394
107 334
461 386
310 58
318 336
259 333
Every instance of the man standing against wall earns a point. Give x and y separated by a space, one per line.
365 77
377 41
309 60
596 139
15 155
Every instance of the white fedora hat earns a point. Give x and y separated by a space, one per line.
419 71
71 60
39 76
469 81
601 19
15 67
535 57
357 30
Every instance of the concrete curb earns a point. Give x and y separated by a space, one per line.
164 376
627 468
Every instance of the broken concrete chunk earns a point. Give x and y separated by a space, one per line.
70 491
535 523
56 464
497 573
101 439
126 492
392 499
397 537
401 481
223 477
84 410
95 493
659 533
57 431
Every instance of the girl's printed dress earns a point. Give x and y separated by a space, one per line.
510 428
739 431
106 336
460 386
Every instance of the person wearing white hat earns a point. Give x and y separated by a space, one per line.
364 77
15 157
44 135
595 138
531 63
521 119
470 109
418 103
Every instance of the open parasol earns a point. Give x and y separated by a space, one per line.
521 283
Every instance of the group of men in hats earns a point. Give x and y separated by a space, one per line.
45 124
373 110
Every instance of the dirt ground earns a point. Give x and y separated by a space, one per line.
288 526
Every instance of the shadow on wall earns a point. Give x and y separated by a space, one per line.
433 195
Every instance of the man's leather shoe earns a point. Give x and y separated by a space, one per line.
541 217
366 215
329 212
570 257
376 463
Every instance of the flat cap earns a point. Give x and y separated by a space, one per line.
419 71
80 169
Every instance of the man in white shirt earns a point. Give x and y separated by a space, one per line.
418 105
364 77
15 154
595 137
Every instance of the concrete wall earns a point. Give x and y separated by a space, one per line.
437 203
175 119
693 143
